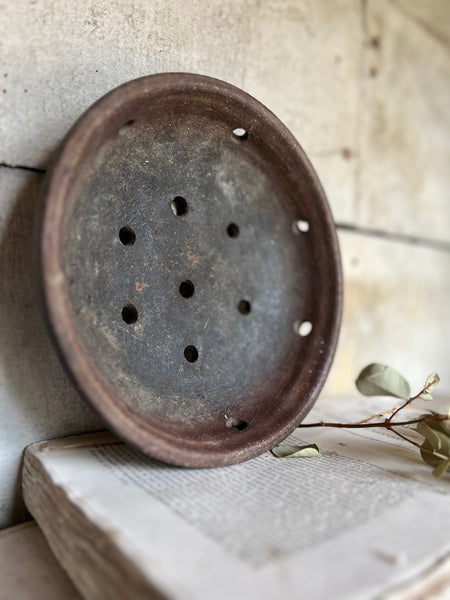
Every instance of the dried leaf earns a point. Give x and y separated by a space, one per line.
444 443
437 439
382 380
442 469
432 381
425 452
440 425
429 434
437 433
286 451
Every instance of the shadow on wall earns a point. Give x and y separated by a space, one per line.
37 401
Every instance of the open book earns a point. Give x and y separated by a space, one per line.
356 522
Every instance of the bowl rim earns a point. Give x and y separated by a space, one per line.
53 289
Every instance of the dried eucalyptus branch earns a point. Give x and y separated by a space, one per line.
386 424
381 380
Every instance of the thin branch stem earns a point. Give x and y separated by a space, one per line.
382 414
437 454
384 423
389 425
390 428
394 410
397 410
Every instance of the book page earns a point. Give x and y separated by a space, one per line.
352 523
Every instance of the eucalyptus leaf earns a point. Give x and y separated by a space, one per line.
429 434
425 452
444 443
437 433
287 451
440 425
431 381
442 469
443 447
437 439
382 380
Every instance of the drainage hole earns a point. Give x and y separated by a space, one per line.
240 133
127 236
129 314
191 353
126 126
244 307
303 328
179 206
300 226
187 288
238 424
233 230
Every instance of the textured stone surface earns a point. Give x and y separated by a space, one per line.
405 123
396 299
301 59
36 399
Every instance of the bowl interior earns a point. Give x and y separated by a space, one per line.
200 272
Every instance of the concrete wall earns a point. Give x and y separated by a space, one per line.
363 85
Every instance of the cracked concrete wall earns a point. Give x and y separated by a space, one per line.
363 85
